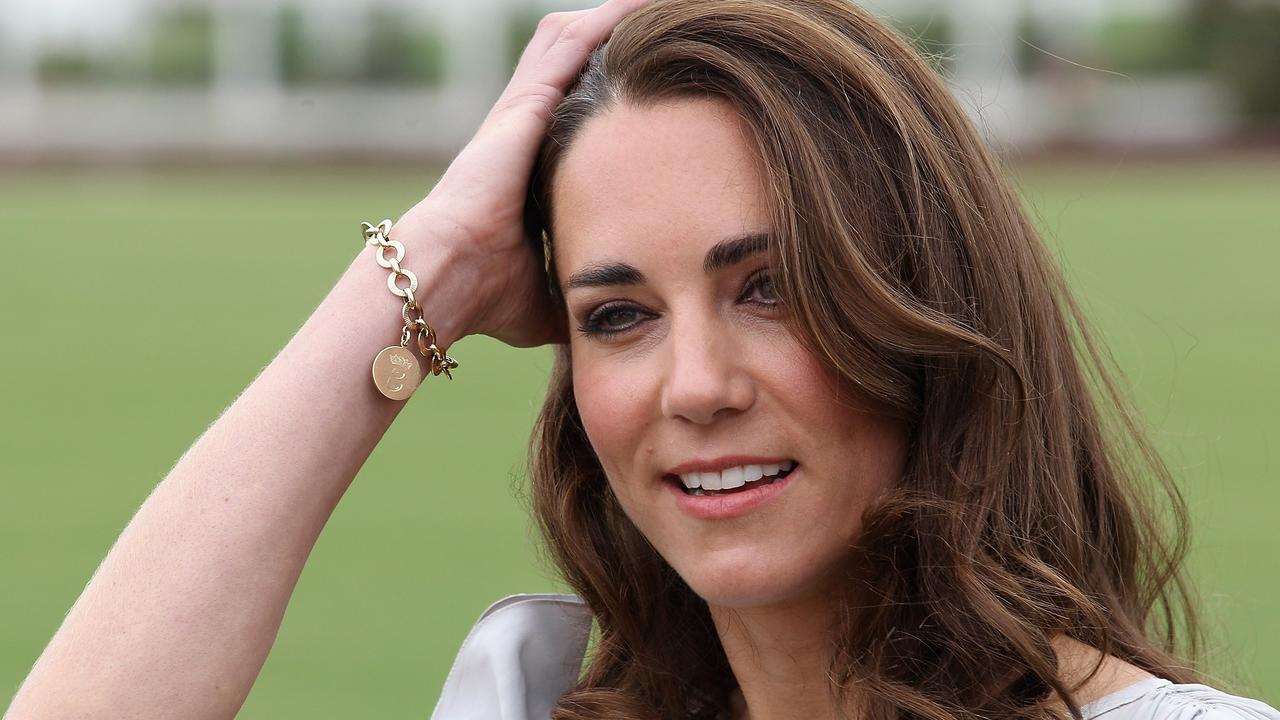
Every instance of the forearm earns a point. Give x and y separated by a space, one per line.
179 618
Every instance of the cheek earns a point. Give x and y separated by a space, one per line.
612 405
852 445
832 408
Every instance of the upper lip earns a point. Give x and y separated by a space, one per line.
727 461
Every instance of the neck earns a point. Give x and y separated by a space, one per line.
779 655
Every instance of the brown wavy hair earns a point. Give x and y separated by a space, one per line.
1029 503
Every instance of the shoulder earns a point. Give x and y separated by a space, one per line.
1158 698
1122 691
522 654
1076 662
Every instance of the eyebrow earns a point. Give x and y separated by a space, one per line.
724 254
731 251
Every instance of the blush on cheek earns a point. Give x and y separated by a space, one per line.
813 388
612 413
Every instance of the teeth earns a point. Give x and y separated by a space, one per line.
733 477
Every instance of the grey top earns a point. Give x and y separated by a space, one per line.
1161 699
525 651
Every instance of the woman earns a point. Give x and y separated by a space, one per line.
818 443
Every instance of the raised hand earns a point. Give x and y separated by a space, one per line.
479 201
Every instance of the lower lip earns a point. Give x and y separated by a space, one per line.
726 507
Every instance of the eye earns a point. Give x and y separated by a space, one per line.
760 289
611 319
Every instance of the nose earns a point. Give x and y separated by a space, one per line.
705 377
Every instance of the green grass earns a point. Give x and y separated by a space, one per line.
137 305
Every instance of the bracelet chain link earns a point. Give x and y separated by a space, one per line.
376 236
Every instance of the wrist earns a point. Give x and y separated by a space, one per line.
448 278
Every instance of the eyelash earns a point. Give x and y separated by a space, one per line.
594 324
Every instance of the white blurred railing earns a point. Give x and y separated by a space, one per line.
247 111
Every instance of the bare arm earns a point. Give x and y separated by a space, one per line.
180 616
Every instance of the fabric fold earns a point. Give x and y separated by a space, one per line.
521 656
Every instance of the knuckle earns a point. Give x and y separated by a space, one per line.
539 98
552 22
571 34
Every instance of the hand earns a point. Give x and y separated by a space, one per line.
481 196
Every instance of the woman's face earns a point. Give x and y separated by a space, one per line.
684 368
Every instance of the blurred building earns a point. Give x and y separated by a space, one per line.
385 79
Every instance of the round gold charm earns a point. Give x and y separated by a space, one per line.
396 372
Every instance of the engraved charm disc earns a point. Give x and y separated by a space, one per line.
396 372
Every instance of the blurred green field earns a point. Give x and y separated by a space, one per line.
136 305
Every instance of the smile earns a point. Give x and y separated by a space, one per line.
734 479
721 504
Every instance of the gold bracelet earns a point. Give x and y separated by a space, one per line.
396 372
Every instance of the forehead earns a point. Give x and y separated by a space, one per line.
682 174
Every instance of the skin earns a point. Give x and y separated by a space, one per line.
179 617
703 365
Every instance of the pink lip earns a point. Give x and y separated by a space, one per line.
720 463
726 507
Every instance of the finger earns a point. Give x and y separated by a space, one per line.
567 51
519 117
548 30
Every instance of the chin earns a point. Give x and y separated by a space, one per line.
739 580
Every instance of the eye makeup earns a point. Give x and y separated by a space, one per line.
617 317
